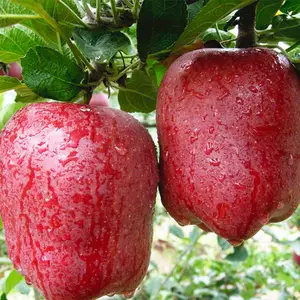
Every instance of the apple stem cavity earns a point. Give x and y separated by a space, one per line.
246 26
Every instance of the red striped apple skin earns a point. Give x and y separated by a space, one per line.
77 195
229 133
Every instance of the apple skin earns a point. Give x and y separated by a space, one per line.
77 195
229 132
99 100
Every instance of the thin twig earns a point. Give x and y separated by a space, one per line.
135 9
87 9
98 10
114 11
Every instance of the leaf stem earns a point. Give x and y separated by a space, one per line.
135 9
59 43
218 32
79 57
293 46
114 11
22 17
121 74
72 12
98 10
87 9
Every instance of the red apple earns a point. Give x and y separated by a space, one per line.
99 100
296 258
15 70
77 194
229 133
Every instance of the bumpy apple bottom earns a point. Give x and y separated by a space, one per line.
77 194
229 132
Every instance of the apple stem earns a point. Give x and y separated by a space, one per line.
246 25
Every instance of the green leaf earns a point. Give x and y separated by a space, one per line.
3 297
240 254
140 94
177 231
102 45
11 13
291 7
15 43
156 71
160 24
211 13
8 83
211 34
11 281
286 28
265 11
224 245
7 110
194 8
195 234
51 75
49 9
25 95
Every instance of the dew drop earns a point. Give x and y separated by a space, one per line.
239 100
214 162
291 160
209 148
253 89
211 130
280 205
121 150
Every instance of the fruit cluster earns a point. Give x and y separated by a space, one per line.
78 182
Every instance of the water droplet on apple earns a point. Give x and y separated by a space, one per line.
214 162
85 108
280 205
222 178
209 148
121 150
265 219
239 100
291 160
253 89
211 130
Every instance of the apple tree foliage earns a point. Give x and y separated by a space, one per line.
69 48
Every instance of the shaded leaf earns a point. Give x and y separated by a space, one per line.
51 75
177 231
291 7
102 45
240 254
265 11
211 13
140 94
224 245
160 24
286 28
8 83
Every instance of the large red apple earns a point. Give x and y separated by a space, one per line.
229 133
77 194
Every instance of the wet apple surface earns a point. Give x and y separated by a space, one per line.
229 133
78 188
